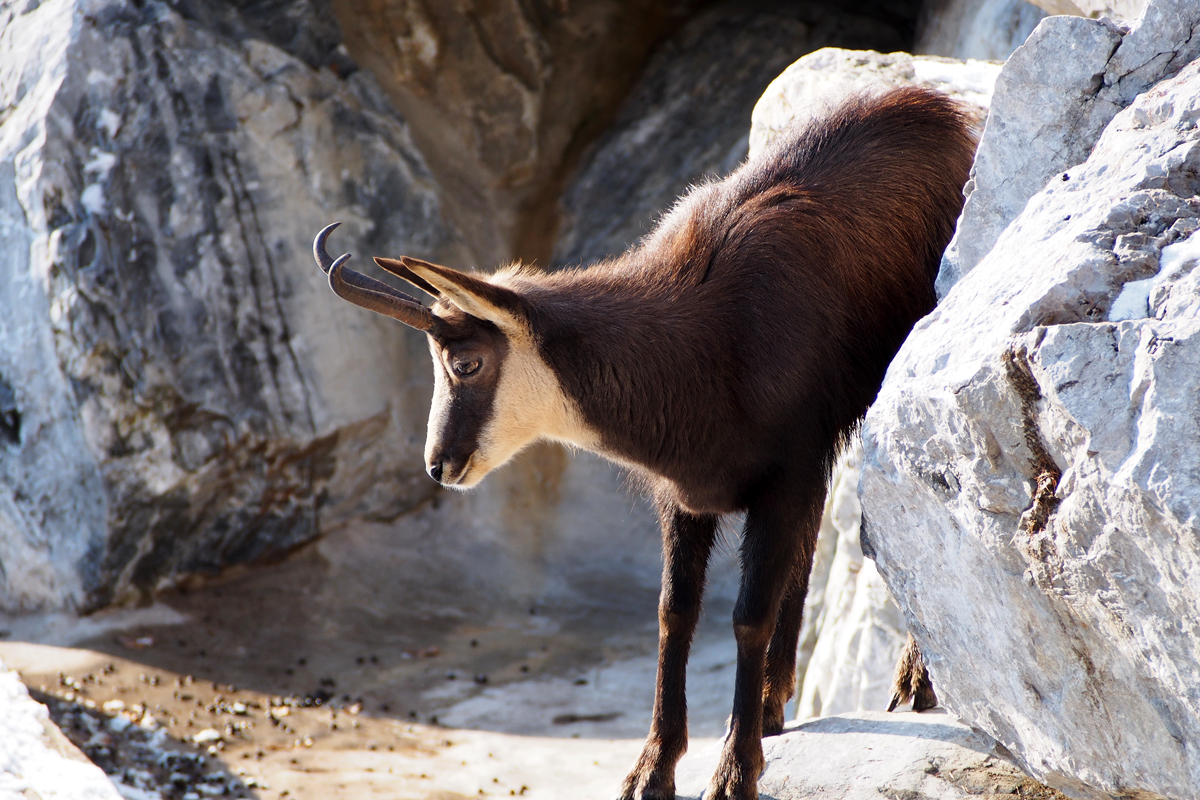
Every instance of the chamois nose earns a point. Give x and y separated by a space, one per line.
435 470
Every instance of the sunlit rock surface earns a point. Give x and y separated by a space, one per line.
1055 96
1032 482
865 756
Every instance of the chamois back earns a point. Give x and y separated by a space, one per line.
759 318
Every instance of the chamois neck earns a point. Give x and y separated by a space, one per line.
626 347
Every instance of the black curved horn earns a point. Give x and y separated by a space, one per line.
323 259
367 292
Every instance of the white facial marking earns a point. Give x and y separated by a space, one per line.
529 405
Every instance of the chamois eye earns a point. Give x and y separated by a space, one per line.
464 368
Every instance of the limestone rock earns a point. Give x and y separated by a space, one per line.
36 759
686 117
975 29
865 756
852 633
1031 476
178 392
1053 98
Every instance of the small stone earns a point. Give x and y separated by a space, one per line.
207 736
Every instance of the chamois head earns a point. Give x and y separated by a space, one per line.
493 393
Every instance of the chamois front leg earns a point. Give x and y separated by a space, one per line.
771 547
687 542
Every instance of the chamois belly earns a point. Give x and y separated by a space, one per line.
727 481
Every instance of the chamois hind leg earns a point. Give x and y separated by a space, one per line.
781 652
687 543
912 680
770 548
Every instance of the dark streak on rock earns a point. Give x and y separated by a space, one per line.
1046 473
10 415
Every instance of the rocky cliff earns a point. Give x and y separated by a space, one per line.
179 393
1030 480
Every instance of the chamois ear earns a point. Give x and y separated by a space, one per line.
472 295
398 269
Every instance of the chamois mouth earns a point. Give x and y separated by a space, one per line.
459 481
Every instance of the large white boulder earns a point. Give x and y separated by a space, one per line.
36 759
1031 486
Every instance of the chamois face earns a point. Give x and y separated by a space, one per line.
493 396
493 392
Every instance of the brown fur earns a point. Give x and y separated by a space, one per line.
726 360
912 680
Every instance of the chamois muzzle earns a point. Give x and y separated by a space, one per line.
367 292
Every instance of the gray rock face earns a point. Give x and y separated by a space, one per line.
978 29
1054 97
865 756
1032 483
178 391
685 120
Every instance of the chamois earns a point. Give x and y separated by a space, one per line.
725 360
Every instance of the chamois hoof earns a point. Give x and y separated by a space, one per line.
734 781
652 787
652 778
772 720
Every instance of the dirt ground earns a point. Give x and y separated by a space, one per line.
330 676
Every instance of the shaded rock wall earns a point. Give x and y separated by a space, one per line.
979 29
1030 480
501 96
686 118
